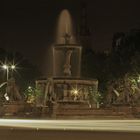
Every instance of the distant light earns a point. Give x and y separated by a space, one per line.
75 92
13 67
8 67
6 97
29 87
5 67
90 106
138 79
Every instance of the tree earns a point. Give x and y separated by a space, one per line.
25 73
94 97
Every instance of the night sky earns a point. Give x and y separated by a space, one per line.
28 27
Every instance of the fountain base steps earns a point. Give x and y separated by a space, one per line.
83 110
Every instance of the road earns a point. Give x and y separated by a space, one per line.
12 129
88 125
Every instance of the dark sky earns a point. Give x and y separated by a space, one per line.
28 26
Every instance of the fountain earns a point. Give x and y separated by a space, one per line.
66 89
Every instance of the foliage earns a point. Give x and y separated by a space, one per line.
97 65
31 94
25 74
111 67
94 96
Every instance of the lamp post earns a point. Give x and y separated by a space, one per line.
7 67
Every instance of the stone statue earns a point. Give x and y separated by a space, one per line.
12 90
67 65
67 38
49 95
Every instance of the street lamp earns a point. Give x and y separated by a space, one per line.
13 67
7 67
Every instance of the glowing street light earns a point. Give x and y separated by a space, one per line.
13 67
5 66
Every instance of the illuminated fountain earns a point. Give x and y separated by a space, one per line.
66 53
66 88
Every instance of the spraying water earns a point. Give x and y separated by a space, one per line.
65 28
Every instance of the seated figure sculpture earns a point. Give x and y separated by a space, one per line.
12 90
